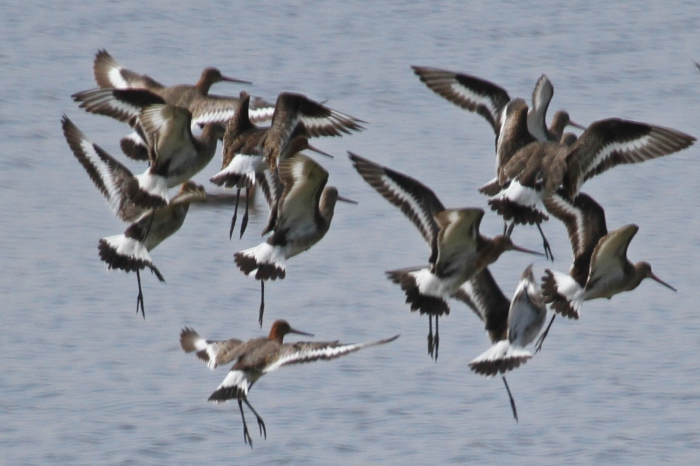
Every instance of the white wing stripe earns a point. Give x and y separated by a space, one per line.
477 99
115 77
625 147
327 352
113 194
413 205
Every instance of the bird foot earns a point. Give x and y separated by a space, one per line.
548 251
540 340
246 436
261 426
437 345
244 224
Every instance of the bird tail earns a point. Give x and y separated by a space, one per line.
149 191
563 294
128 254
190 341
520 203
234 387
267 261
423 290
240 172
501 357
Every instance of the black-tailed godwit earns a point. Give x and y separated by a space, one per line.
175 153
600 268
511 325
257 357
458 250
299 218
130 250
204 107
296 117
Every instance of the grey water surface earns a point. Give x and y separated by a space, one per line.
84 380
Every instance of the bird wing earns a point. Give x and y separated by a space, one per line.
610 255
214 353
272 187
541 97
607 143
300 352
318 120
121 104
527 311
242 153
170 138
109 73
457 239
469 92
418 202
303 180
220 109
584 219
483 295
109 176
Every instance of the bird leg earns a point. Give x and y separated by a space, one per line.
262 302
437 338
148 229
430 335
235 214
510 229
246 434
547 249
139 298
244 222
512 401
540 340
261 423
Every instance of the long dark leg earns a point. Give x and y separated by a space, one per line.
510 229
246 435
235 214
430 335
261 423
547 249
262 302
512 401
244 222
147 230
139 298
505 227
437 337
540 340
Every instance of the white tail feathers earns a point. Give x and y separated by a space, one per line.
241 167
564 295
129 248
128 254
267 261
153 186
500 358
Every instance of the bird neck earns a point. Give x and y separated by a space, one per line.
204 84
640 273
492 249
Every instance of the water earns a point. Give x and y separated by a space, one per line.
86 381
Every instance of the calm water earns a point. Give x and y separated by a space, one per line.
84 380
